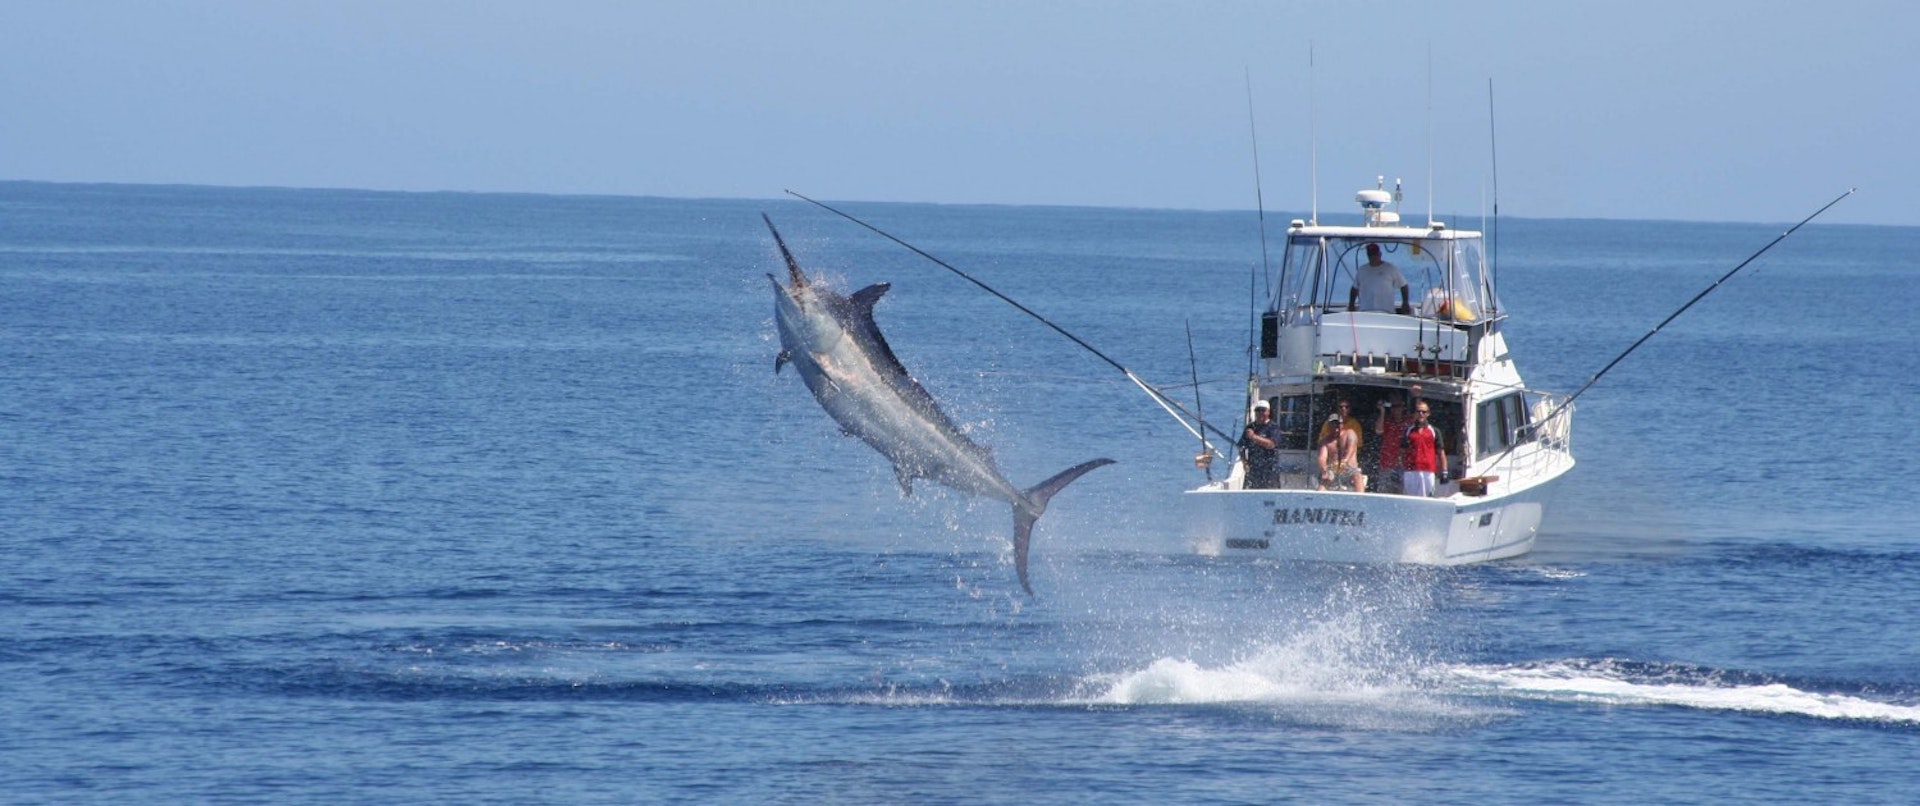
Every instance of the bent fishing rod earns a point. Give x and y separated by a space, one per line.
1171 406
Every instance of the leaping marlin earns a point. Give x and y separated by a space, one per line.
834 344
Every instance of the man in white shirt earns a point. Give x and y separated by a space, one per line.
1374 283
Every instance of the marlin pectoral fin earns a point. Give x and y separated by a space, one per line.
781 361
905 479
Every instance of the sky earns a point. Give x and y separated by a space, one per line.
1700 110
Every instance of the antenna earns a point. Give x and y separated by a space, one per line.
1313 140
1493 146
1430 188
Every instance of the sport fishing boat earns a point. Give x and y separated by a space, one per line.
1440 341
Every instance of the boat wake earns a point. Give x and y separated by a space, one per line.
1623 683
1304 689
1328 676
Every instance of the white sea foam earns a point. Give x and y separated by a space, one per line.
1333 659
1339 673
1175 681
1606 682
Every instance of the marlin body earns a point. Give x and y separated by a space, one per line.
833 343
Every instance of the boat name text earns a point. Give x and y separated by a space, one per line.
1325 515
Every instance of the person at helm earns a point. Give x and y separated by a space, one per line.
1374 283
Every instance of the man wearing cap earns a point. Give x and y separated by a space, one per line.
1260 445
1343 419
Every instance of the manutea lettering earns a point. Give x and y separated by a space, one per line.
1335 517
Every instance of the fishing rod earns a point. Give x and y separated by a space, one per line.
1171 406
1193 364
1259 201
1266 269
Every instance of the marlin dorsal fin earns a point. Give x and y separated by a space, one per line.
864 299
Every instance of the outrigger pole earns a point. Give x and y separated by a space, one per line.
1171 406
1568 403
1696 298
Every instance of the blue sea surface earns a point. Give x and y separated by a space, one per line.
324 497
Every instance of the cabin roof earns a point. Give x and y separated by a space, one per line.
1383 233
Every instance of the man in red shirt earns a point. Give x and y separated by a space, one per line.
1390 424
1426 459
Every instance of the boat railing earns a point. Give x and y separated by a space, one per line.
1407 365
1552 421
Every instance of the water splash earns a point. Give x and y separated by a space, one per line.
1344 670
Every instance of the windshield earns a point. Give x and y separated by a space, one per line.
1443 277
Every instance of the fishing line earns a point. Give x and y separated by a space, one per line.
1171 406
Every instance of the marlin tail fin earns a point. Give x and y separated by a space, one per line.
1037 496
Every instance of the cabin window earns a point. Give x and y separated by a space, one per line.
1501 424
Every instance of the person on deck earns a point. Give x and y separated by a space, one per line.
1343 419
1390 422
1260 445
1339 458
1374 283
1424 455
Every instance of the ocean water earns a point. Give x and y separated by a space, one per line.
329 496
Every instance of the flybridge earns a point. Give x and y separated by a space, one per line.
1433 316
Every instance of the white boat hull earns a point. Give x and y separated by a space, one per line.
1366 527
